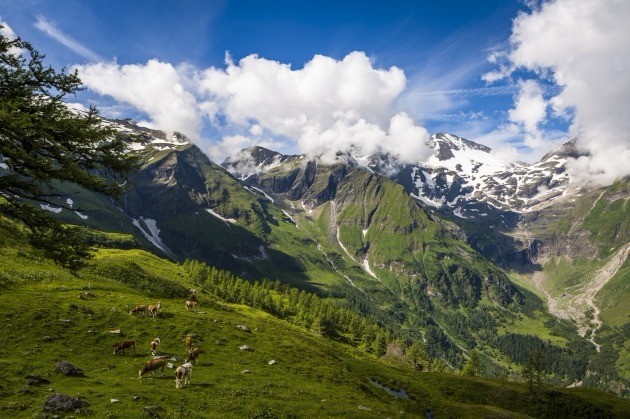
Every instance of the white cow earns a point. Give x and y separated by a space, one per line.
182 375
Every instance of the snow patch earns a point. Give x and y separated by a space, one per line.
82 216
50 208
264 193
427 201
225 220
70 202
290 218
152 233
366 266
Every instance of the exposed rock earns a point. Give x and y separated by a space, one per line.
66 368
36 380
244 348
395 350
153 411
64 403
242 327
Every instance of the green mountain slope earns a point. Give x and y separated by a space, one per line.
583 246
341 231
50 316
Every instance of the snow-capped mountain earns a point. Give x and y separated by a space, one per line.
462 174
462 177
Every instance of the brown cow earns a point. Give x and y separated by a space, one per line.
182 375
189 343
190 305
125 344
139 309
154 345
193 356
154 309
152 365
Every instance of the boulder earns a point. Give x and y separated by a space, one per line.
66 368
36 380
64 403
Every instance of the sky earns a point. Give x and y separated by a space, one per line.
326 77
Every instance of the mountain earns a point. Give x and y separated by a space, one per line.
520 216
344 231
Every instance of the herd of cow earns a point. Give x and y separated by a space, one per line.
184 371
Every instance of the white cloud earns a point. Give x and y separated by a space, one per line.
326 107
7 32
530 110
51 30
155 88
582 46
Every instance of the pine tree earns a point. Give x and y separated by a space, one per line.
472 367
43 142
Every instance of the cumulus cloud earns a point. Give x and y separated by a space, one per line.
327 107
582 47
156 88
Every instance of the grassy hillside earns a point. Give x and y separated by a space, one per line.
49 315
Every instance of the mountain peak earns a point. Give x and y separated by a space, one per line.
445 144
252 160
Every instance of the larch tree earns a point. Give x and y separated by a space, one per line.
45 143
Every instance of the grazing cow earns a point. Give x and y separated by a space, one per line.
154 310
190 305
152 365
193 356
154 345
125 344
182 375
139 309
189 343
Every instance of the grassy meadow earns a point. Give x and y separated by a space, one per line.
49 315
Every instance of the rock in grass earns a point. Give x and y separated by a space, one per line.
242 327
35 380
64 403
153 411
66 368
244 348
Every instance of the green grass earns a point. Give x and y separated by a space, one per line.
47 316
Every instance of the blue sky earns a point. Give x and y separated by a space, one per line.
442 47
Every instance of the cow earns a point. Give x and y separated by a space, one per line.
152 365
125 344
193 356
182 375
154 345
139 309
190 305
189 343
154 309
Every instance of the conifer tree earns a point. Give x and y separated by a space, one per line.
472 366
43 142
